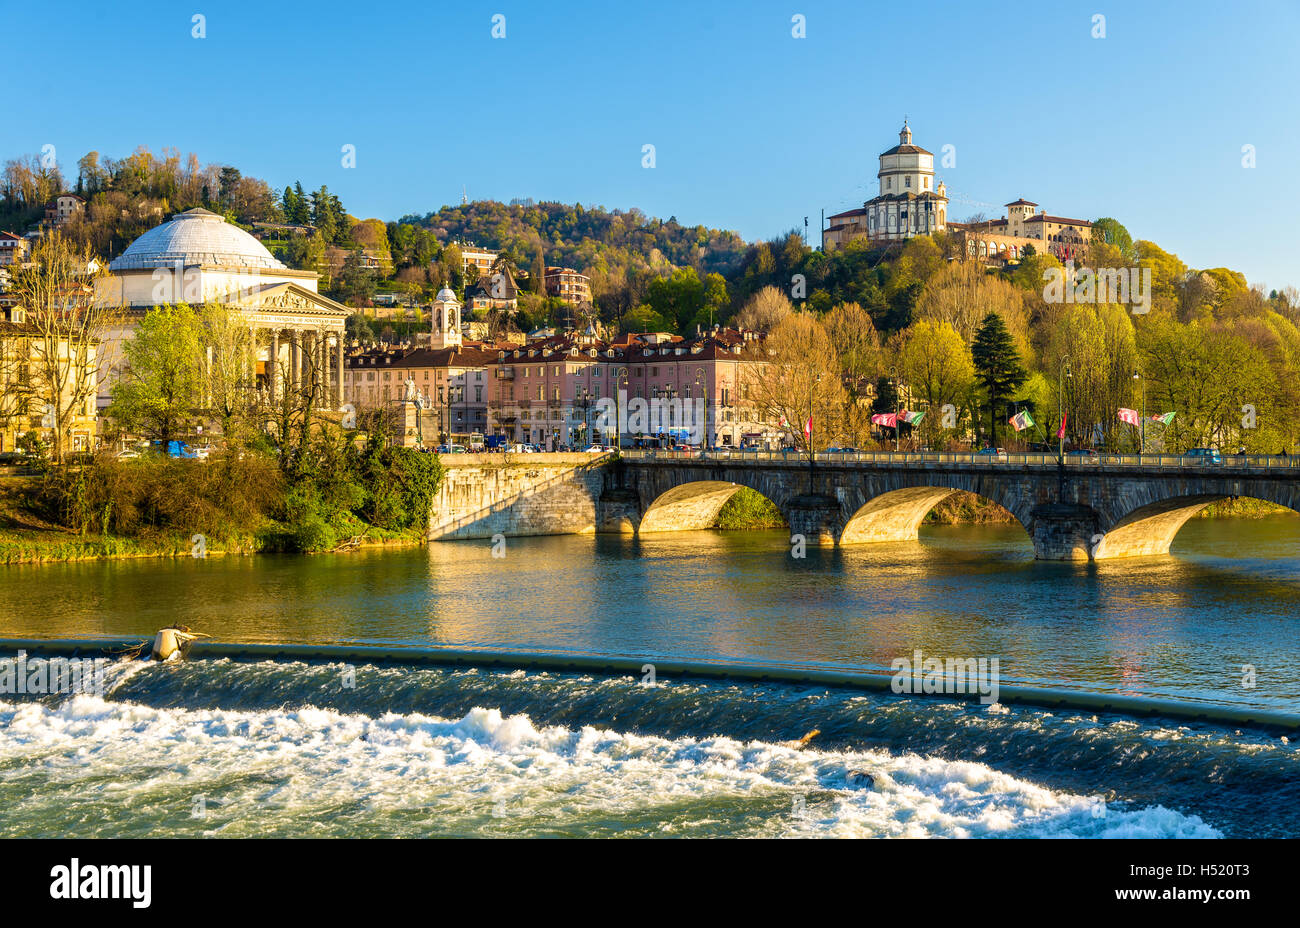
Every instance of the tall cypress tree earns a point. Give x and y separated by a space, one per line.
997 365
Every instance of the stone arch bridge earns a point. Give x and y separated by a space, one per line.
1089 508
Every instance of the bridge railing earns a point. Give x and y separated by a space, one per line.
1077 461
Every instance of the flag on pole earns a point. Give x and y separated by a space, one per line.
1060 433
807 429
1130 416
910 418
1166 419
887 419
1022 421
785 424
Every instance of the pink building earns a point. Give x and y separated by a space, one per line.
574 389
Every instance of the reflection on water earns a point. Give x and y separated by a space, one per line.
1179 626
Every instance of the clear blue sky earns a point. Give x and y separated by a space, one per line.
753 129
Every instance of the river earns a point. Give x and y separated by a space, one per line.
231 748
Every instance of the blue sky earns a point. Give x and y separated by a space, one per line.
753 128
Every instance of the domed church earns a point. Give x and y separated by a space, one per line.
197 257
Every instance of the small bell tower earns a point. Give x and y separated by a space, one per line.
445 321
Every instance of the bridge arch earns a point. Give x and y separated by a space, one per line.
1150 527
896 515
695 504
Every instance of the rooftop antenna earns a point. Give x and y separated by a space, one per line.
464 196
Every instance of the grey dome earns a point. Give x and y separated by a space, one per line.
196 237
446 295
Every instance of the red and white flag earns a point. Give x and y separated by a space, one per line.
887 419
1060 433
807 428
1130 416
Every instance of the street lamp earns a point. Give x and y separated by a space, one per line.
584 401
893 379
1137 375
669 393
812 455
1063 372
620 384
706 439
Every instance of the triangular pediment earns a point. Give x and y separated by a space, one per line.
287 297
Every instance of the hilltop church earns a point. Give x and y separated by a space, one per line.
912 202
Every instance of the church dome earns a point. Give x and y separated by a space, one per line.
446 295
196 237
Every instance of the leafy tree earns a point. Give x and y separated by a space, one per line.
160 388
997 366
936 368
1112 233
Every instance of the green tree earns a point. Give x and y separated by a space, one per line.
997 366
1113 233
936 368
160 388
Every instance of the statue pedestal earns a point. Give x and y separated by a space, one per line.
409 422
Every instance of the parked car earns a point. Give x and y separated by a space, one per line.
999 454
521 448
1083 456
1204 455
598 449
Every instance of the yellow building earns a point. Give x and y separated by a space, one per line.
24 405
1001 240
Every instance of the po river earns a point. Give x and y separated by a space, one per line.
218 747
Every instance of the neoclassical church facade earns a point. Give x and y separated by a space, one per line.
909 203
912 203
198 257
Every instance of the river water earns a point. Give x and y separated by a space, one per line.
284 748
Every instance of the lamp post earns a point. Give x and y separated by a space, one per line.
583 401
701 381
893 378
620 382
1137 375
667 393
1062 373
812 455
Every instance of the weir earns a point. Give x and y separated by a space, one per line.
1047 698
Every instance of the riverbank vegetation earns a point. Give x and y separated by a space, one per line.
242 502
749 509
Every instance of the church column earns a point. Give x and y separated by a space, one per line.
322 366
295 358
273 366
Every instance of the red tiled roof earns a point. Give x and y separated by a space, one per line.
1044 218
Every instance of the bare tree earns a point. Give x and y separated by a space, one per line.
764 310
228 367
798 380
67 325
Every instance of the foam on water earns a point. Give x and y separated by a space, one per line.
92 766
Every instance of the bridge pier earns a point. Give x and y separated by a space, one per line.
819 519
618 511
1063 531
